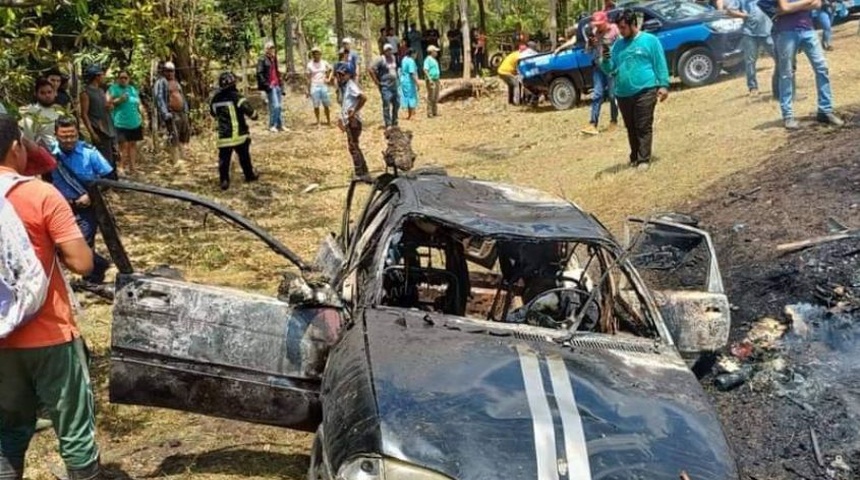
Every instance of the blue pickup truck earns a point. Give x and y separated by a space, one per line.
699 42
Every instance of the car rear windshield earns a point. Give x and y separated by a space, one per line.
678 10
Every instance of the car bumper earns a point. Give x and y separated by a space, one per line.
727 48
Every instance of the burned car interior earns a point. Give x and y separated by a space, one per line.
572 285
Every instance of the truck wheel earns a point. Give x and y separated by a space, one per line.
563 94
697 67
496 60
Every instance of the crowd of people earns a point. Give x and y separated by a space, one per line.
630 71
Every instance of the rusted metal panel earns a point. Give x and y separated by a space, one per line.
175 343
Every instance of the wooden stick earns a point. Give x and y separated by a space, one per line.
811 242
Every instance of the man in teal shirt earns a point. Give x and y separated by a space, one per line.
638 65
431 74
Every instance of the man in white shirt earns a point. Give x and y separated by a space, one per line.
319 76
37 119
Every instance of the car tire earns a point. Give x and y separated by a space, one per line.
496 60
563 94
697 67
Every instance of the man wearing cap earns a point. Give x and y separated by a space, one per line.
603 35
269 81
431 75
350 121
638 63
319 76
352 58
95 113
173 109
383 72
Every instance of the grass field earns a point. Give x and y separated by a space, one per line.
701 136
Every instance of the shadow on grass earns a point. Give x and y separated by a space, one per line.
234 462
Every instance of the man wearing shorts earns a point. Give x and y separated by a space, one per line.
173 109
319 76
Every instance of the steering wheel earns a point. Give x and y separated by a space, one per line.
584 294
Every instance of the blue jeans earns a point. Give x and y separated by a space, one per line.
751 46
826 23
86 219
274 98
390 105
604 87
787 45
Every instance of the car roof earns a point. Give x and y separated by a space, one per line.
496 209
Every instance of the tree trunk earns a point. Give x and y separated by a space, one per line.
274 35
467 39
482 16
421 22
288 40
302 43
396 17
338 21
387 15
365 28
260 27
553 23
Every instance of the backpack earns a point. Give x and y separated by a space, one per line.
23 282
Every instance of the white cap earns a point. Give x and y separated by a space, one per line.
388 47
269 44
347 40
432 48
169 66
316 50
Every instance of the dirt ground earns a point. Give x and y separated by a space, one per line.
709 142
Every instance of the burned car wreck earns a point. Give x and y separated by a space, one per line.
454 329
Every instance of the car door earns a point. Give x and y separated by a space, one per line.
678 263
213 350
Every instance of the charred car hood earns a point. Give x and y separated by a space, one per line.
474 403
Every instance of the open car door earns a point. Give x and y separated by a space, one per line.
678 262
212 350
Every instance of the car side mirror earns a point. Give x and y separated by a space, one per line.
651 25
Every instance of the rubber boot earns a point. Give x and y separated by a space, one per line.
11 469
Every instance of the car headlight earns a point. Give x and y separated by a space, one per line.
726 25
377 468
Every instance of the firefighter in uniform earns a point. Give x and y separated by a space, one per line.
230 108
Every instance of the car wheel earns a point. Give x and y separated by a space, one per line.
317 470
563 94
496 60
697 67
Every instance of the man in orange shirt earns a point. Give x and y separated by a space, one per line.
43 362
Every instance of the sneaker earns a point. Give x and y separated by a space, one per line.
643 166
830 119
828 47
591 129
791 123
613 126
253 178
753 92
273 129
225 185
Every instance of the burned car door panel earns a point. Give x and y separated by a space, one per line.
679 264
214 350
219 351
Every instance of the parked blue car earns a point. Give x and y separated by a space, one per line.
699 43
